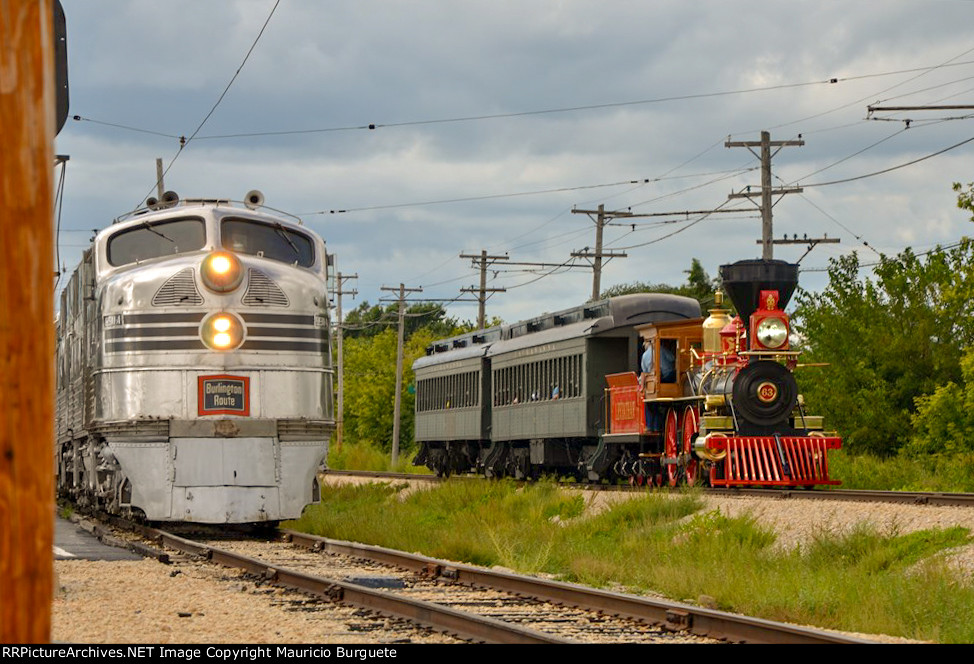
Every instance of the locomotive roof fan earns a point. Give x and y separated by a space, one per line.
744 281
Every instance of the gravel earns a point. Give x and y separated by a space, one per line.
146 602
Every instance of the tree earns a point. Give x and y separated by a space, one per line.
370 368
887 341
370 320
944 421
965 198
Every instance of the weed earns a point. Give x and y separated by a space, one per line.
860 580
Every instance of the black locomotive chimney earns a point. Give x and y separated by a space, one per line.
744 281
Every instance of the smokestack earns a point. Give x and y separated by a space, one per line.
744 281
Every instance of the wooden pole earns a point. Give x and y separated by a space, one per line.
397 405
26 321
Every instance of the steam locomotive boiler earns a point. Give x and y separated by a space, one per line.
730 414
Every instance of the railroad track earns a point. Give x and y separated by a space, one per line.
858 495
471 603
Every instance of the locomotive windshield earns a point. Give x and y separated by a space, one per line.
269 240
164 238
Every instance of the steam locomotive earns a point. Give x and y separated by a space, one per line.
564 393
194 374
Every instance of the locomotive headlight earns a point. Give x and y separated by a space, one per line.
222 331
772 332
221 272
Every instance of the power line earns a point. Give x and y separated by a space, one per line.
183 141
892 168
515 114
536 192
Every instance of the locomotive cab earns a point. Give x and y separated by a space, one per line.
672 347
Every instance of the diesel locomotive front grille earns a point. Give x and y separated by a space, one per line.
179 290
303 429
261 290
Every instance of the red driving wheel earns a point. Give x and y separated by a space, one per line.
670 446
691 426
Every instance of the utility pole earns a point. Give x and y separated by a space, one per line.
601 219
483 290
27 115
812 242
160 187
395 413
765 144
340 327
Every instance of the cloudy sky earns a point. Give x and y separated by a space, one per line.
496 121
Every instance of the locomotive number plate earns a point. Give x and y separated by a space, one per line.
224 395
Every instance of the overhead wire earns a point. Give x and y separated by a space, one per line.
568 109
183 142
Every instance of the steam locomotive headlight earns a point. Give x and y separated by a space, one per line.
222 331
221 272
772 332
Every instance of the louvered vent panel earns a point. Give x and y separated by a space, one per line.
261 290
180 289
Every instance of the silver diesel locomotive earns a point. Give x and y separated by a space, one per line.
194 375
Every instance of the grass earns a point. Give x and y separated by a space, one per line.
901 473
863 580
362 456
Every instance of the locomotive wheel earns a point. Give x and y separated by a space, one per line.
691 426
670 446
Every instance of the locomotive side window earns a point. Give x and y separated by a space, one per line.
273 241
164 238
667 359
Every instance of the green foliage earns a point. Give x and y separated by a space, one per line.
371 320
369 350
362 455
944 421
888 340
857 580
872 553
965 198
904 472
485 523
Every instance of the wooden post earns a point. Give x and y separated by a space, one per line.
26 321
397 405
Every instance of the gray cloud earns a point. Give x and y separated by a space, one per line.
410 66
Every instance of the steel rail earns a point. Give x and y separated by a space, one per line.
668 615
465 625
935 498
